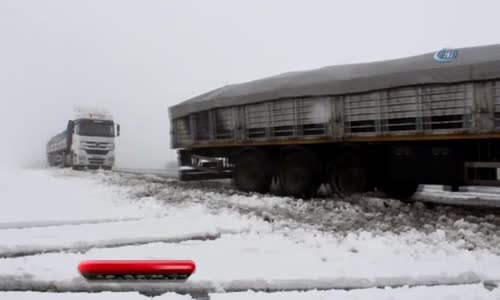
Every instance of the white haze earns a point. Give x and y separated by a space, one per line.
136 58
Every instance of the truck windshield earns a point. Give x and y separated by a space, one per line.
95 129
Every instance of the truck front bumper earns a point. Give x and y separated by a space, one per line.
82 159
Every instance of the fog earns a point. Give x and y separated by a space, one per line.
136 58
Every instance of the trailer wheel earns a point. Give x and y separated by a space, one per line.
253 172
299 174
348 175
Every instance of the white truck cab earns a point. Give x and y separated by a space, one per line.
87 142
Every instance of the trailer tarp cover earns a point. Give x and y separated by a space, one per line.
446 66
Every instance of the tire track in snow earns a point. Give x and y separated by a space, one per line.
108 244
52 223
199 288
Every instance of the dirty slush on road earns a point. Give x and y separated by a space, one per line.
471 228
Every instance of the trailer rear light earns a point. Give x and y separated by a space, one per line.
178 270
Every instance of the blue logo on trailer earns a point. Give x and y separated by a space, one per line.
446 55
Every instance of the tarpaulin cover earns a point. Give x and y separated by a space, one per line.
470 64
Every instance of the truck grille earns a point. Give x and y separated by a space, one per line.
96 145
96 161
95 151
101 148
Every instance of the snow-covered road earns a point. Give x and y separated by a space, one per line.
363 247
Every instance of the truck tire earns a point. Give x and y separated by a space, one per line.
299 174
62 162
65 159
348 175
73 164
253 171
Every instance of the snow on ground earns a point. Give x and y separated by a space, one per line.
85 296
285 260
239 241
68 220
185 224
47 197
472 228
464 292
468 195
481 196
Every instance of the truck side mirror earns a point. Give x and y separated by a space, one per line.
71 126
117 129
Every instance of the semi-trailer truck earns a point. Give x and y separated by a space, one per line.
387 125
87 142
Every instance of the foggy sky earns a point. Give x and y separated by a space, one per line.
136 58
